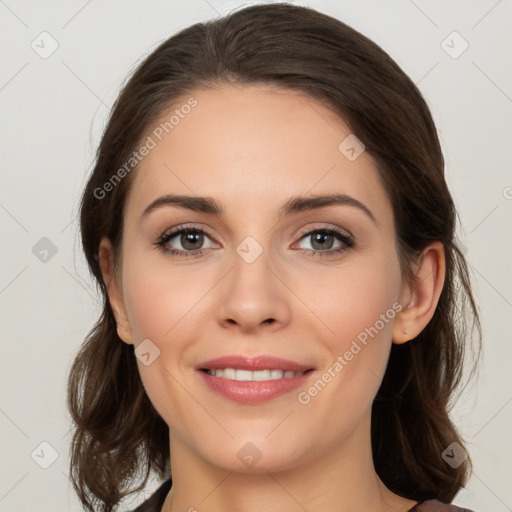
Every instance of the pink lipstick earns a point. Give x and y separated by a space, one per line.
253 380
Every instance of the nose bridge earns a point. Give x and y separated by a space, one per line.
252 294
251 276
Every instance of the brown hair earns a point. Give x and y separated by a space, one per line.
119 436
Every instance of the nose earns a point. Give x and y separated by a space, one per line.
252 296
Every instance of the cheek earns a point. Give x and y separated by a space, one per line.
354 299
161 308
358 305
166 305
160 302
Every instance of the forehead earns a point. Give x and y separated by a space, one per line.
254 145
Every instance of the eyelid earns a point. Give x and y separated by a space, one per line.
321 227
188 226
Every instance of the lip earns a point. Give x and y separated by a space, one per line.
253 363
253 392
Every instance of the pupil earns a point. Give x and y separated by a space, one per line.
321 237
188 239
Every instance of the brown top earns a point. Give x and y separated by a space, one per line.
157 499
435 506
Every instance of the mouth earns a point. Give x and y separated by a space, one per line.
253 380
252 376
252 363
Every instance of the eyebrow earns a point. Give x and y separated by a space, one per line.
295 204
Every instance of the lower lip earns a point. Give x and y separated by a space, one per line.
254 392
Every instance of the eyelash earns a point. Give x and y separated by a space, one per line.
169 235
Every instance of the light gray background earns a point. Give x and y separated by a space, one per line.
52 113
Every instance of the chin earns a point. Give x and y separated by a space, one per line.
252 455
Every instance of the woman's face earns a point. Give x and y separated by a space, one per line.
257 282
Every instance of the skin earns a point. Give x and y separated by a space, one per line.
251 148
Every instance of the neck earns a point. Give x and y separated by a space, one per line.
341 480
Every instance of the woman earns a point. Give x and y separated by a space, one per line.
264 371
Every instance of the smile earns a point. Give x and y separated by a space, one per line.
253 379
247 375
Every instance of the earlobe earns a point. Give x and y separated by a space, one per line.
422 294
115 294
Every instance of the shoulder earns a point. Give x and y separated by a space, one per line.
155 502
437 506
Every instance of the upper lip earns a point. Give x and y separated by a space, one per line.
253 363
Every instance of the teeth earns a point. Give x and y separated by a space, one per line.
248 375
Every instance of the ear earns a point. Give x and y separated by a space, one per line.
114 289
419 299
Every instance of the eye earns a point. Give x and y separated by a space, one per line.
189 239
323 241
